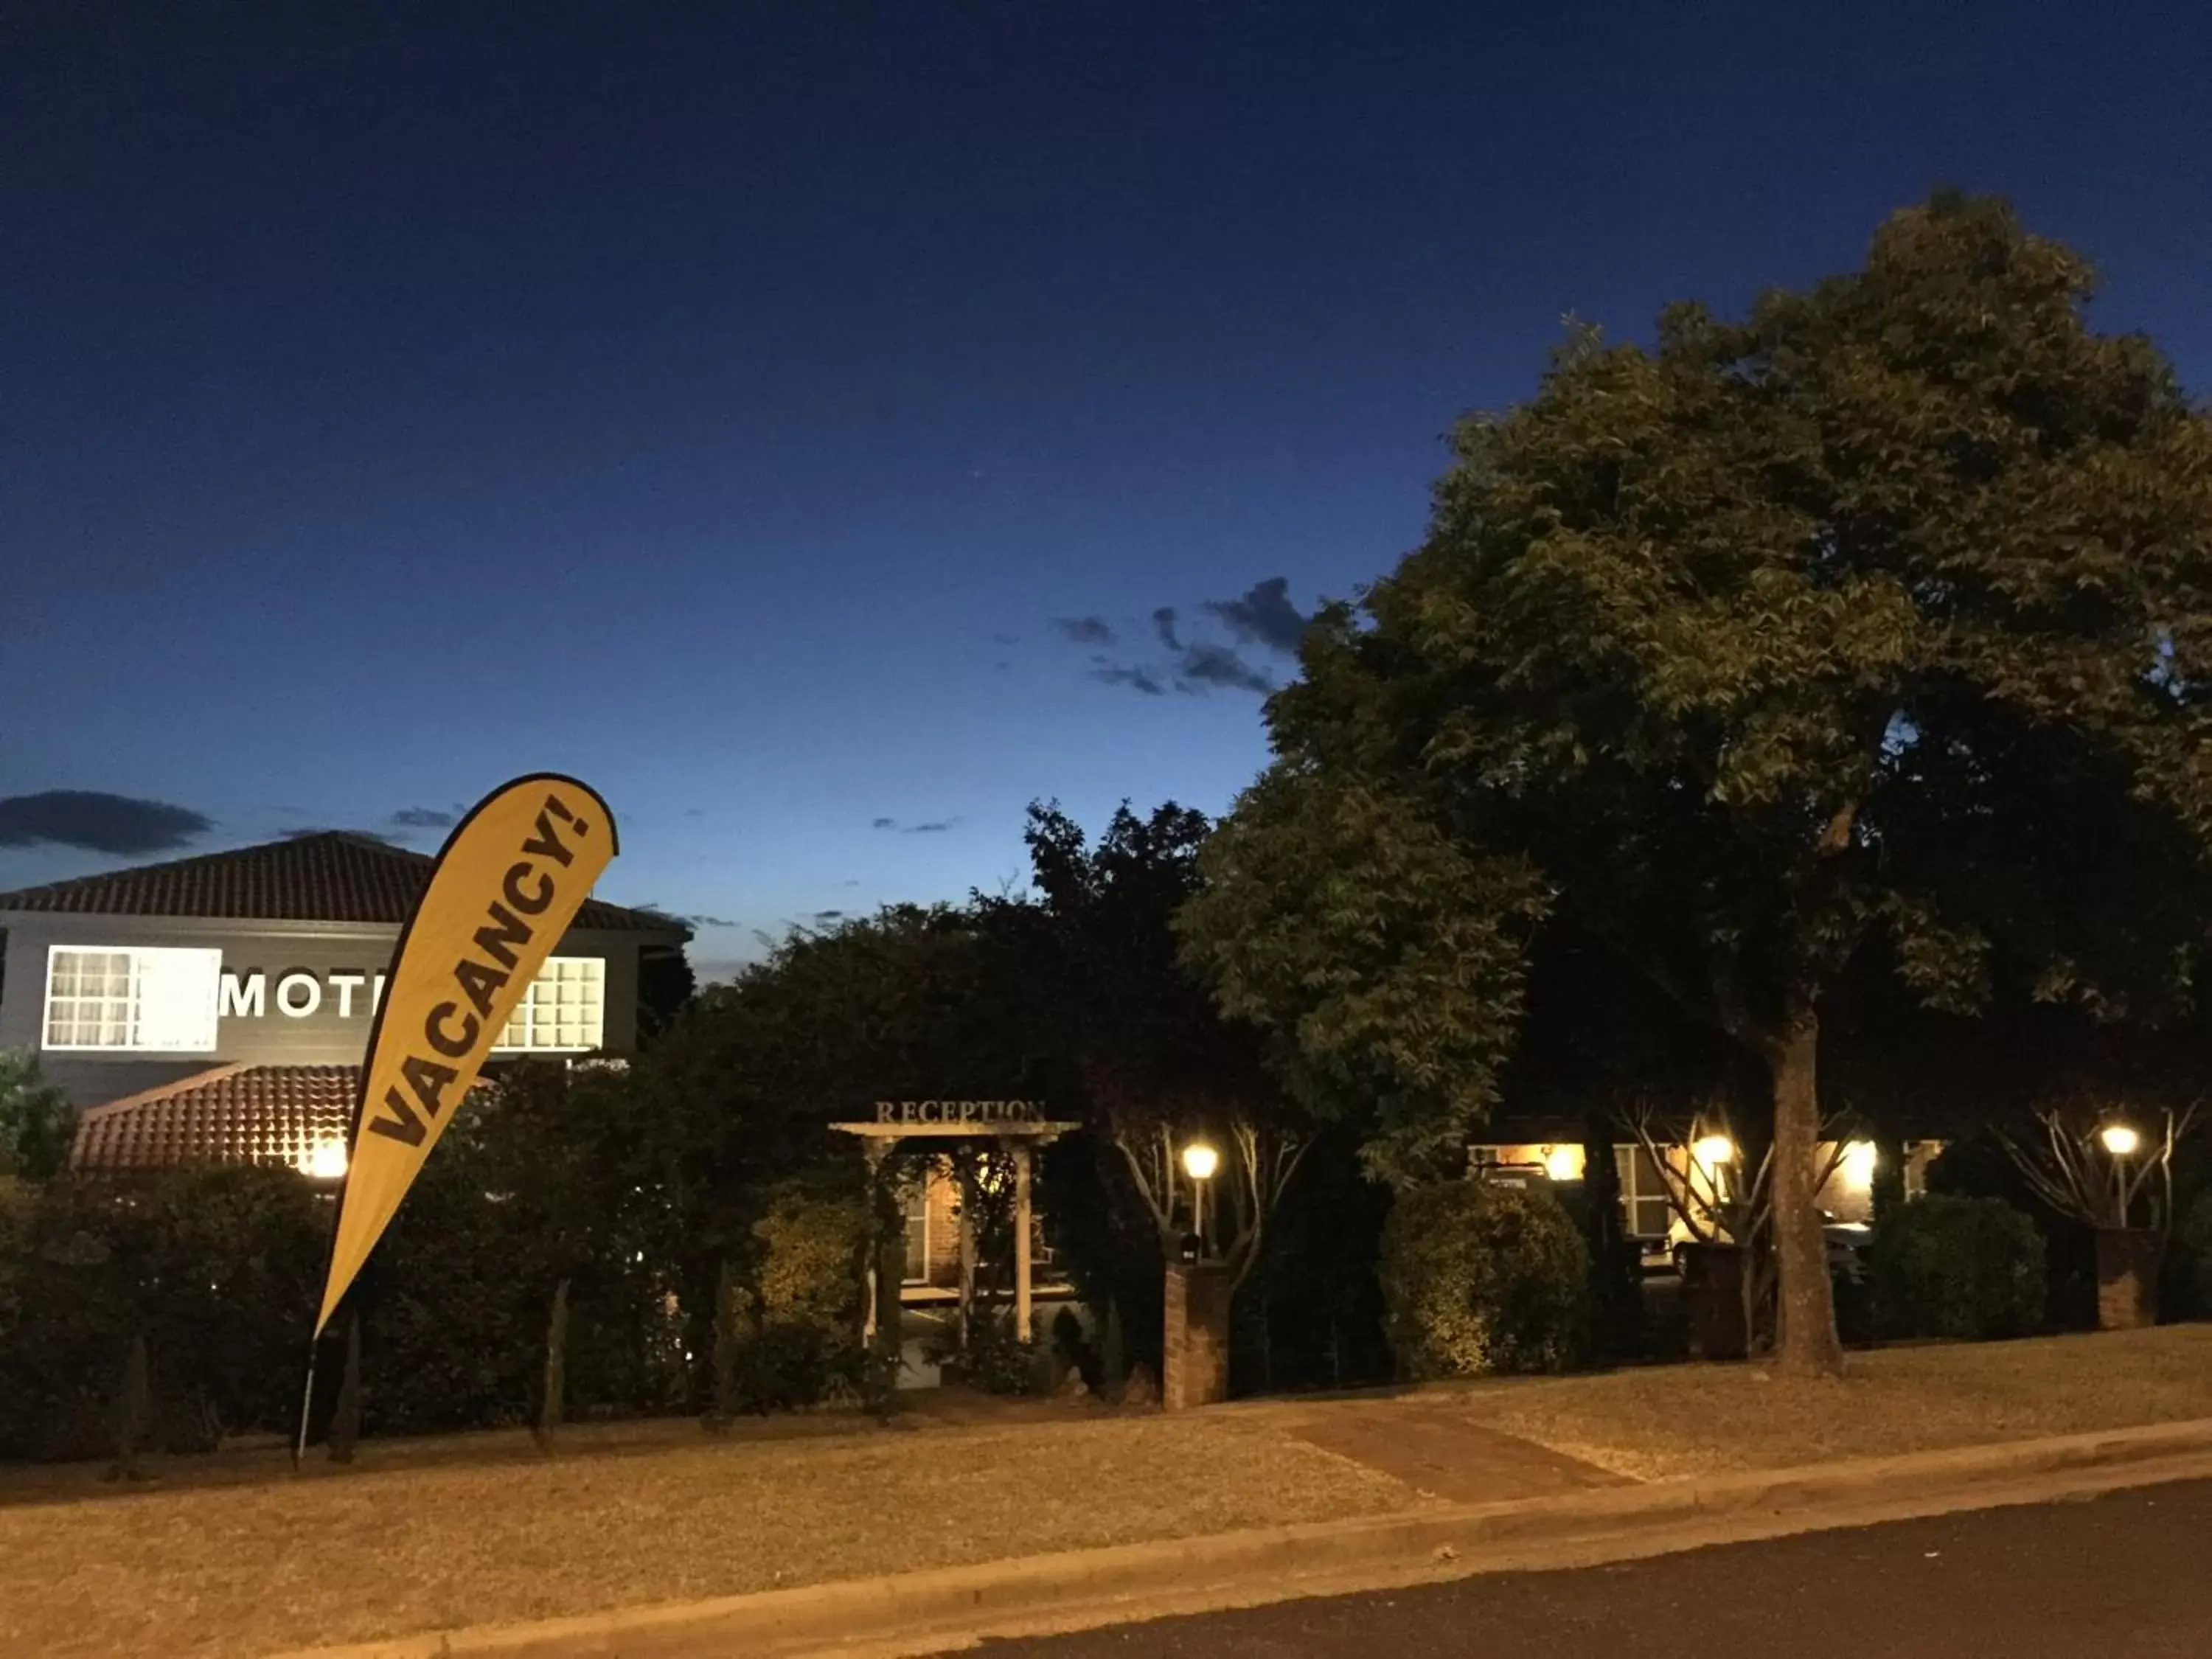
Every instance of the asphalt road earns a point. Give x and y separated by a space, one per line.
2125 1575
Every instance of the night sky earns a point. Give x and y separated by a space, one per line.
792 419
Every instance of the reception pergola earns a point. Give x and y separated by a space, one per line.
948 1125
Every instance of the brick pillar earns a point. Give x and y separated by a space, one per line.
2128 1260
1195 1352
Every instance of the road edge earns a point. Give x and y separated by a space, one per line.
943 1608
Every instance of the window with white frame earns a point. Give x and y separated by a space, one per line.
564 1010
1643 1194
132 999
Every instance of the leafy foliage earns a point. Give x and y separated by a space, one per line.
36 1120
1344 920
1959 1268
804 1344
1479 1277
2196 1238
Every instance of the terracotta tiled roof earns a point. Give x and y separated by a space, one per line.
333 876
230 1115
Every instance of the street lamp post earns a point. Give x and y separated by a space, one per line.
2121 1141
1199 1161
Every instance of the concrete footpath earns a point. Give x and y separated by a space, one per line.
932 1612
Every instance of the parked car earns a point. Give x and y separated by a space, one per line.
1845 1243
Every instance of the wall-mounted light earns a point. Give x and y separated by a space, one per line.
323 1161
1713 1151
1859 1159
2120 1140
1563 1162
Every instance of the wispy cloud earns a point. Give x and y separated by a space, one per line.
96 822
883 824
1265 616
1085 630
1164 624
1217 664
1136 678
935 826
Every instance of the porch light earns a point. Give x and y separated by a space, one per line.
1714 1149
1563 1162
1199 1161
1859 1163
2120 1140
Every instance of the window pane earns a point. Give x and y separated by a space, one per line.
562 1008
176 999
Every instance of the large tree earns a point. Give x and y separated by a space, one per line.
1870 629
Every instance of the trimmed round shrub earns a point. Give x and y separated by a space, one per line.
1479 1277
1968 1268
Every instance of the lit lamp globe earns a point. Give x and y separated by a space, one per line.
325 1160
2120 1140
1199 1161
1713 1150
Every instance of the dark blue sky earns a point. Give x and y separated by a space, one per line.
723 405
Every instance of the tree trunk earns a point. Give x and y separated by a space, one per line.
1616 1278
554 1406
133 1412
1809 1345
724 1404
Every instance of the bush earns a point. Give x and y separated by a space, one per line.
1479 1277
1970 1268
812 1262
2196 1242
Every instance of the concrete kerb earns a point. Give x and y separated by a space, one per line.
909 1612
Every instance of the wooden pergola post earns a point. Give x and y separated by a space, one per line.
1020 1150
966 1177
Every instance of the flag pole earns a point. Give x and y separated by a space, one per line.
306 1400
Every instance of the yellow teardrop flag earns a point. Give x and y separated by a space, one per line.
510 880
